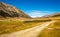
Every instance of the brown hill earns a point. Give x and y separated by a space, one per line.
7 10
53 15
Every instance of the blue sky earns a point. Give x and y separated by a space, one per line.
36 8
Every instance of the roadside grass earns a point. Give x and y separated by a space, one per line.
9 26
53 30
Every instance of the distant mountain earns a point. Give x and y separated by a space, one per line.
7 10
53 15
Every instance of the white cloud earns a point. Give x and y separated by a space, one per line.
37 13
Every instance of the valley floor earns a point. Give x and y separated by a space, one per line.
31 32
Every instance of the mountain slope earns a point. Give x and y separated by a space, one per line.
53 15
7 10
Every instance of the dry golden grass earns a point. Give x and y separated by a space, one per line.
12 25
53 30
8 25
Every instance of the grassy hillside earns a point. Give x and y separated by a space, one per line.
12 25
53 30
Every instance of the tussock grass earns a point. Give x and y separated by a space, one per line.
53 30
12 25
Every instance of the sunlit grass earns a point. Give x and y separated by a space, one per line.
8 26
53 30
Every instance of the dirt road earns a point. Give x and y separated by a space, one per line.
31 32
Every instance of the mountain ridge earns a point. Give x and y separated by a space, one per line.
7 10
57 14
